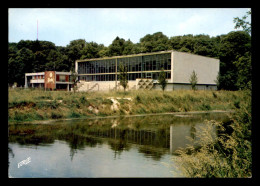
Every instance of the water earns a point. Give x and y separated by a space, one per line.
111 147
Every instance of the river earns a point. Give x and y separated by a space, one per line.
105 147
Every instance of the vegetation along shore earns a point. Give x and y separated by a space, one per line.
34 104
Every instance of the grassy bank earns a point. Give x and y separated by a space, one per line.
29 105
228 156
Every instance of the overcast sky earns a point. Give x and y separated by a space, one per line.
102 25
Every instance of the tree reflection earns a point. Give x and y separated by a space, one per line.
150 133
192 131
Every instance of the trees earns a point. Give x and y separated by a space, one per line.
162 79
117 47
123 75
155 42
233 50
246 25
74 50
243 62
198 44
91 50
74 79
193 80
232 46
244 71
19 64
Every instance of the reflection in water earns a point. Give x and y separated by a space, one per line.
154 136
183 135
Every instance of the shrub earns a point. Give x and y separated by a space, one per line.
107 102
23 103
59 98
205 106
138 99
47 104
83 100
214 95
55 115
36 116
44 97
237 104
74 114
227 155
167 97
121 111
141 110
18 116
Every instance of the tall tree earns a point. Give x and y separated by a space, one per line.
117 47
162 79
155 42
193 80
91 50
123 75
233 46
75 49
22 64
74 79
244 71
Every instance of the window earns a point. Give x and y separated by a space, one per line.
154 63
169 64
62 78
168 75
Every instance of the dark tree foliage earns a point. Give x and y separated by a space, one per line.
233 50
155 42
233 46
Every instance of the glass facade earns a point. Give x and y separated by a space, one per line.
147 66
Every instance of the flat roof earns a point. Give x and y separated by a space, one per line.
42 73
132 55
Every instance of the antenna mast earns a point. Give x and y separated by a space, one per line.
37 30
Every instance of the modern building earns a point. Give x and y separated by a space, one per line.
49 80
144 69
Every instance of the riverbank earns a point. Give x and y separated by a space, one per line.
26 105
177 114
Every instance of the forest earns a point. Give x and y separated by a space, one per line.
232 49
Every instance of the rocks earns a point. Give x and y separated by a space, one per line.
115 104
94 110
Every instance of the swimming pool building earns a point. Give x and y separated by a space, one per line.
143 71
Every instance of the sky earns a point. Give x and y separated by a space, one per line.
103 25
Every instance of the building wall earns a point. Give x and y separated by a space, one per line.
182 65
103 86
206 68
50 79
172 86
132 85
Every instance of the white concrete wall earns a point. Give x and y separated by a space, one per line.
37 81
206 68
171 87
104 86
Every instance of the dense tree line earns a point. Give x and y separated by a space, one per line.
233 50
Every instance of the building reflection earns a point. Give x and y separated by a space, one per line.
153 137
182 136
